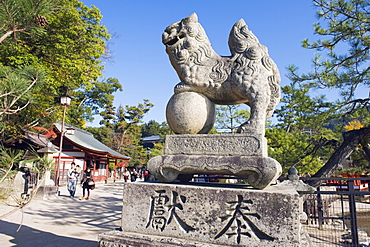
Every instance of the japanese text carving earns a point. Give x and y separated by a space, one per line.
239 223
163 210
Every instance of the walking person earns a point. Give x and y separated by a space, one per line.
126 175
133 175
78 173
72 180
88 183
78 169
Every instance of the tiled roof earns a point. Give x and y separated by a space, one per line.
38 139
86 140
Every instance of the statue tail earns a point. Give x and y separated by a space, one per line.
275 94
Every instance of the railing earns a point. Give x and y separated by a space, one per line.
339 212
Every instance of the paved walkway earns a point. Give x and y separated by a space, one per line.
64 221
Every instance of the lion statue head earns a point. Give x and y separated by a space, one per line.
185 39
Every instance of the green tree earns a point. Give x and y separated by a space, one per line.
129 117
299 149
108 115
340 61
302 120
344 24
230 117
69 48
131 146
340 64
300 111
23 17
155 128
8 162
150 128
104 134
122 131
97 100
16 86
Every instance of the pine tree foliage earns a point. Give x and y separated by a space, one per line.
154 128
24 17
64 40
340 65
342 58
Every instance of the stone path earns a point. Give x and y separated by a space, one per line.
64 221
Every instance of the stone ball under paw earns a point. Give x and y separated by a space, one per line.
190 113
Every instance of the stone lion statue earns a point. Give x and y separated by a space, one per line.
247 76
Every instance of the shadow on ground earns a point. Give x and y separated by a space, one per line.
101 213
65 221
31 237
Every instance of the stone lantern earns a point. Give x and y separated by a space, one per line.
49 150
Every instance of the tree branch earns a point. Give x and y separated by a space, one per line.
351 140
8 110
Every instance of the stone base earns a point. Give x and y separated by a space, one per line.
260 171
47 192
156 214
241 155
122 239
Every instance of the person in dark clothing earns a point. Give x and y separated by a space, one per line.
148 177
88 183
133 175
27 179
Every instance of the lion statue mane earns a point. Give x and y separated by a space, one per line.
247 76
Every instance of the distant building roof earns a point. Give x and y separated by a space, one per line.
86 140
36 139
151 138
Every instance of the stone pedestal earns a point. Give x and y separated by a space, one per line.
48 181
246 144
47 192
260 171
20 184
241 155
157 214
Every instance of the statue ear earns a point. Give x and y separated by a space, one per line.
192 18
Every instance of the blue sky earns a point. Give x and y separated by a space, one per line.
139 60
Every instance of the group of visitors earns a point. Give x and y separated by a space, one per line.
75 175
86 180
133 174
130 175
